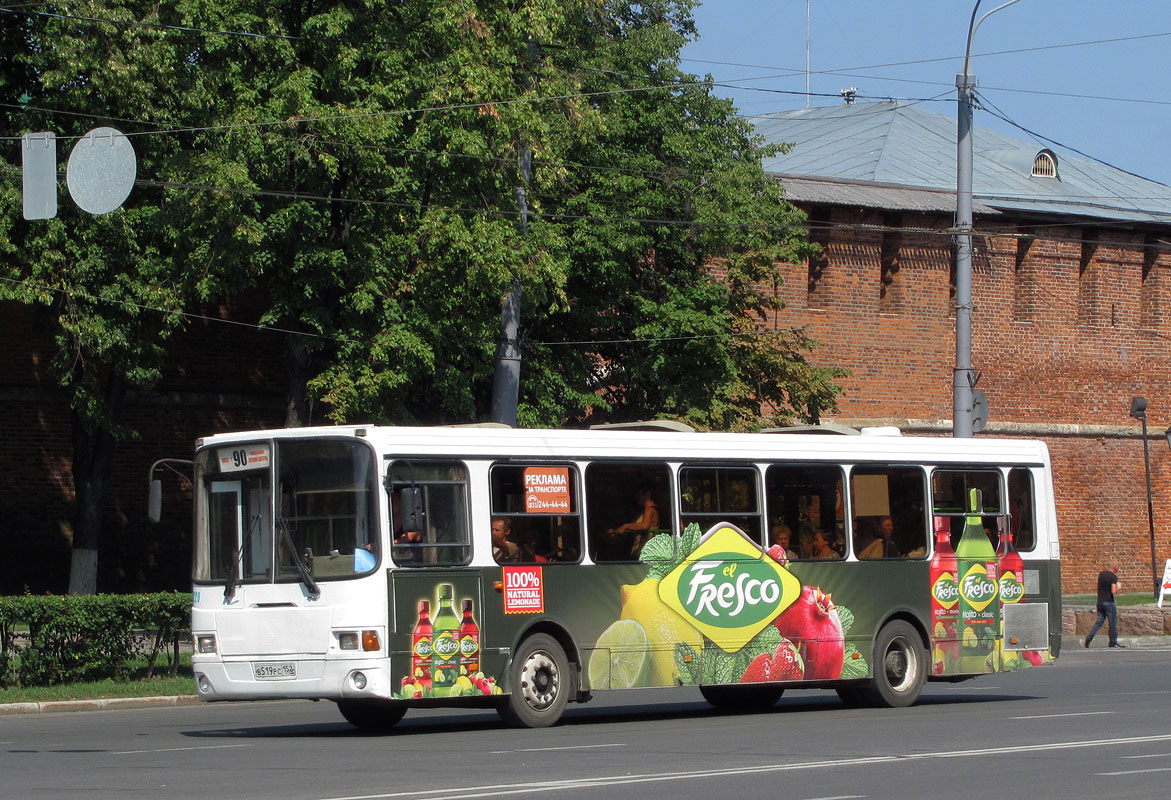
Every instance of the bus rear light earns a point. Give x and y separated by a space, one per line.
347 641
370 641
205 644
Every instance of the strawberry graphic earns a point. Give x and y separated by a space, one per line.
812 623
759 670
777 554
787 664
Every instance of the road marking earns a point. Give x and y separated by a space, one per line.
544 787
1150 755
1075 714
1133 772
177 749
549 749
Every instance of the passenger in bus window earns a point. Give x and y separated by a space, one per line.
780 535
502 549
878 540
633 535
821 546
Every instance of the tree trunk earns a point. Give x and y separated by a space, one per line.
297 411
92 453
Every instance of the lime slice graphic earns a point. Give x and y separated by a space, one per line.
622 657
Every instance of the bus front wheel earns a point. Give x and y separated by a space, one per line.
540 684
371 715
900 666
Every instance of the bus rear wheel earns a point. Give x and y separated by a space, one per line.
742 697
371 715
540 684
900 666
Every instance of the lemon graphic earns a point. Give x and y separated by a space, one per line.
621 659
664 628
969 637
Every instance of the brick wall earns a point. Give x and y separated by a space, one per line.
1068 325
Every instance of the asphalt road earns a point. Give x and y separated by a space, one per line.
1098 723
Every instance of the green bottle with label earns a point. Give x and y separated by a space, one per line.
979 592
444 644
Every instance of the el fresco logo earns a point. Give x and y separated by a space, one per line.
728 588
1011 590
977 588
946 591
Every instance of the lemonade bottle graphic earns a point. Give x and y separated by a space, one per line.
421 645
945 596
469 642
979 592
444 644
1012 590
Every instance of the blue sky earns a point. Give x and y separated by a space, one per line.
1090 75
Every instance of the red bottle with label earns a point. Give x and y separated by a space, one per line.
945 597
469 643
421 646
1012 590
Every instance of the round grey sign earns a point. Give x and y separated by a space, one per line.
101 171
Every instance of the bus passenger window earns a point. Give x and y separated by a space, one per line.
889 512
536 516
429 513
628 503
721 494
806 499
1021 509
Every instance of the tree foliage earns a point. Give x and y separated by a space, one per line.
358 161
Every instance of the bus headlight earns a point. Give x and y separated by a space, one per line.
347 641
205 644
203 683
359 680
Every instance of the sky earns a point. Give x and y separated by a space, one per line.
1090 76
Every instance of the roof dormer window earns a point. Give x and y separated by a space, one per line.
1045 165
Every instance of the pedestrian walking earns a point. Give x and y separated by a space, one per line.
1108 586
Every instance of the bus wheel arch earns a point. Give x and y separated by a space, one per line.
544 675
900 664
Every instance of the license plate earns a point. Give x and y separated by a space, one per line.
274 672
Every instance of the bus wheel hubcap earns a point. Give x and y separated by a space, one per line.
539 681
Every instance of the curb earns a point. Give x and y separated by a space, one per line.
100 704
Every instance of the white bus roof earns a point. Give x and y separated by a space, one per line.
884 445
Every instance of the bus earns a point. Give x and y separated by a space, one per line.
390 568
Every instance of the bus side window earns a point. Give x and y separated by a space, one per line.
1022 509
806 499
627 503
429 513
889 512
709 495
541 506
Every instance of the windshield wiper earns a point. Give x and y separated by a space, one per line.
306 578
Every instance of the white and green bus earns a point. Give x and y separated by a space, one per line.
388 568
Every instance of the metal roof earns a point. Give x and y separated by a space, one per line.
900 155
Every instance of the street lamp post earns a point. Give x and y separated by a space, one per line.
962 377
1138 410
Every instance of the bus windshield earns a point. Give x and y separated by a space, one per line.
322 513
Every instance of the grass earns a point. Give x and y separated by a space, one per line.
138 686
155 687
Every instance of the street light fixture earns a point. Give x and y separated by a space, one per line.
963 378
1138 410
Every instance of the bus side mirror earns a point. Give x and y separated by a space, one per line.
154 502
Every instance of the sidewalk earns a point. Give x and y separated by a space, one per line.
100 704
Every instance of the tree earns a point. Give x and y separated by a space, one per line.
357 162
